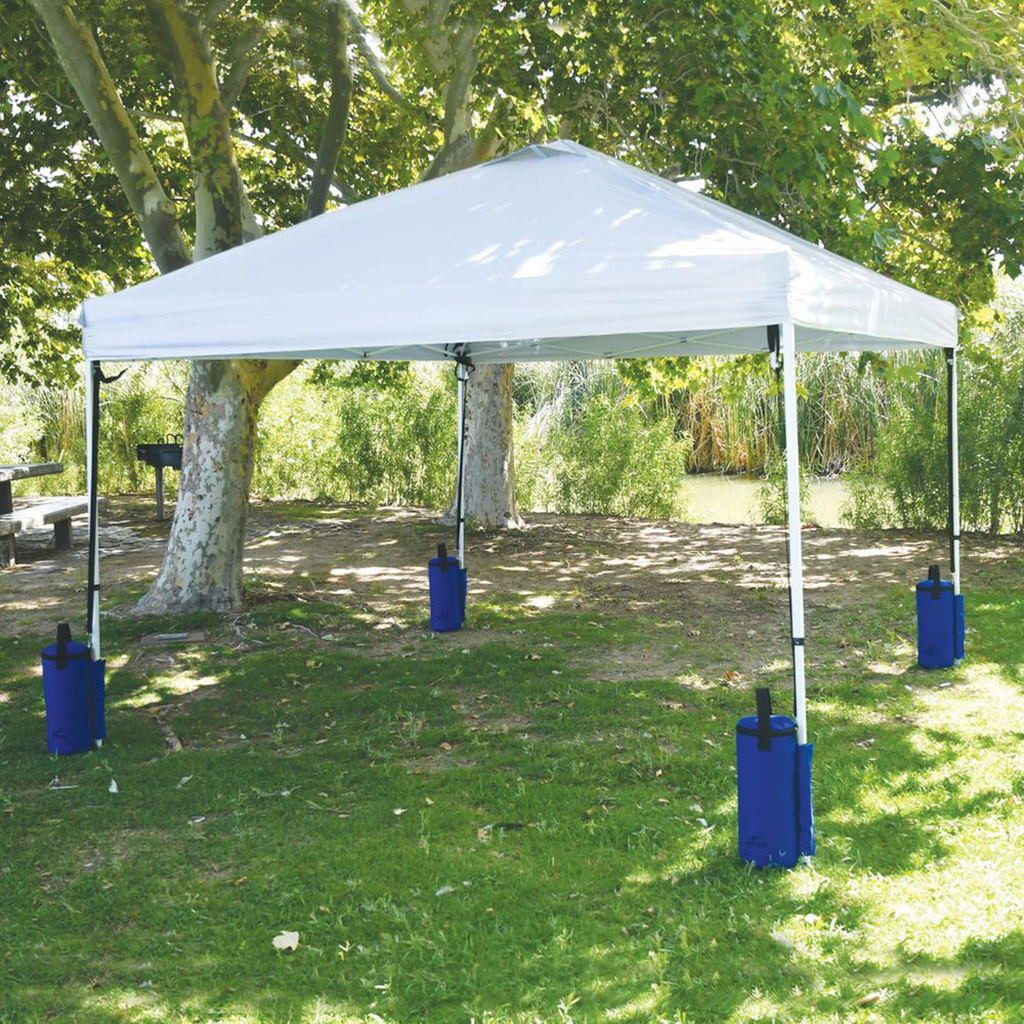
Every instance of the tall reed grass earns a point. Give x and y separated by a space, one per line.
587 440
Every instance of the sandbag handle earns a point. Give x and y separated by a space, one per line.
764 718
936 580
63 639
442 554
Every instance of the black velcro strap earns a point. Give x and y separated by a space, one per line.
936 579
442 553
63 639
798 641
764 718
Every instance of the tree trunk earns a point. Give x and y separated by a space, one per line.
202 566
489 485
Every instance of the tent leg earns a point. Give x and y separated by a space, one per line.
92 403
953 460
461 375
953 463
796 568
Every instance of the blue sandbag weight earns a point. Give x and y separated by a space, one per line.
936 621
448 582
74 694
767 788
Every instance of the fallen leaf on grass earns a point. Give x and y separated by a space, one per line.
240 881
286 941
184 780
870 999
867 742
399 810
444 890
428 801
112 788
447 747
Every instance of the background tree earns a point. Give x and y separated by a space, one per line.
207 123
223 95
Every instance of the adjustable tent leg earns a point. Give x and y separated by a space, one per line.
92 400
796 568
461 375
953 465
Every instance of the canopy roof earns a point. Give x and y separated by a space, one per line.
554 252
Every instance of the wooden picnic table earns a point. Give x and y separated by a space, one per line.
22 472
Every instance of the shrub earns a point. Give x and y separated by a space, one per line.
608 458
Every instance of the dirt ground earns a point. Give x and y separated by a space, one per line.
715 579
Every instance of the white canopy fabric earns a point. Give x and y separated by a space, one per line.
554 252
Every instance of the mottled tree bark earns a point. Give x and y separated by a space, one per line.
451 51
489 483
82 62
202 566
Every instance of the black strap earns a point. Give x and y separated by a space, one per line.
936 580
442 554
764 731
63 639
764 718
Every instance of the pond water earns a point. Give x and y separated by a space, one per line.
733 499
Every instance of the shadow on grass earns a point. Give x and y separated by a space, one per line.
479 831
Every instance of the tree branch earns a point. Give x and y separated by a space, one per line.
249 140
214 9
332 138
243 54
83 64
458 94
369 47
218 189
453 54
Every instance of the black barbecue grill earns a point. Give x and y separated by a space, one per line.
161 455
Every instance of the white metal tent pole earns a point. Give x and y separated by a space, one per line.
796 566
91 432
953 425
461 375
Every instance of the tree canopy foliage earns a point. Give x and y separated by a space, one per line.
889 131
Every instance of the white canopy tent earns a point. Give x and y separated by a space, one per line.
552 253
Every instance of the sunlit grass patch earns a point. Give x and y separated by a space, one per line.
477 826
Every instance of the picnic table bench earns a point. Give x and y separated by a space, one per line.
22 471
56 512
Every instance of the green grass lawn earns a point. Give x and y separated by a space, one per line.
480 827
